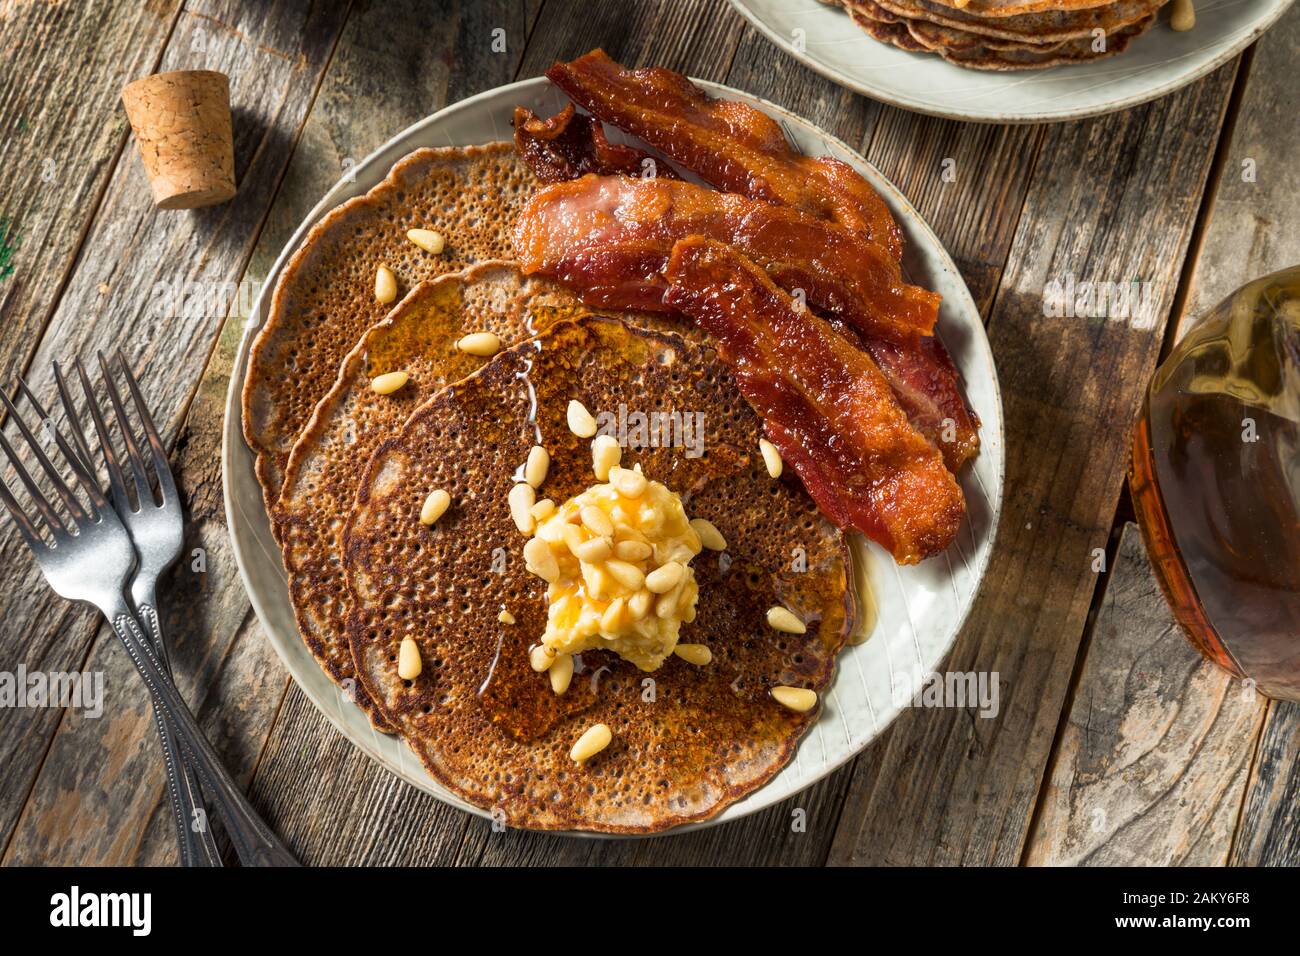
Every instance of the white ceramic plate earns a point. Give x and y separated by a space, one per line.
1158 62
920 609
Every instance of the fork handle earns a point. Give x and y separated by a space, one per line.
253 840
194 836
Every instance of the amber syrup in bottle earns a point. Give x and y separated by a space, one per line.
1215 480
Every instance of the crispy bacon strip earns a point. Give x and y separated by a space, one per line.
926 384
732 145
570 144
825 404
611 236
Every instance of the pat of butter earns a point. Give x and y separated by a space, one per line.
605 603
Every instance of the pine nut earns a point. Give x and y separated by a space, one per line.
538 464
632 550
593 550
572 536
482 344
597 521
799 699
409 664
694 653
543 509
613 616
540 658
783 619
505 617
435 506
771 457
605 454
1183 16
539 559
667 604
561 673
665 577
628 483
638 605
628 575
581 422
709 534
427 239
521 500
385 285
389 382
595 739
596 580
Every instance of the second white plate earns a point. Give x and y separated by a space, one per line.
1158 62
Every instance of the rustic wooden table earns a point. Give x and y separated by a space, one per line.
1115 742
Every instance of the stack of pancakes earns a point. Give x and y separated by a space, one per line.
1006 34
345 471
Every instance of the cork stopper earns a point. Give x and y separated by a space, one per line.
182 125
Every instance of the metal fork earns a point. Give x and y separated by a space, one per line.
157 541
91 560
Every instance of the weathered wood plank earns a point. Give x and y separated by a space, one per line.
1250 231
698 38
102 778
1153 760
1269 829
63 130
336 807
1112 199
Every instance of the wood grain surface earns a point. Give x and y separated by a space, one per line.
1152 764
1114 742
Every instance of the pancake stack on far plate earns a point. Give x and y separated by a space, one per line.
1006 34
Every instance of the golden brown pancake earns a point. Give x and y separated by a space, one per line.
327 461
1026 58
688 740
1011 8
325 299
1044 27
351 421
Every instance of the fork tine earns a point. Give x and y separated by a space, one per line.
142 490
166 484
78 461
70 410
116 488
38 499
56 479
25 526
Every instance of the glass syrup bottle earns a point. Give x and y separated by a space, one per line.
1215 480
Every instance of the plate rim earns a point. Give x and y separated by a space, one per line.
1014 118
233 435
